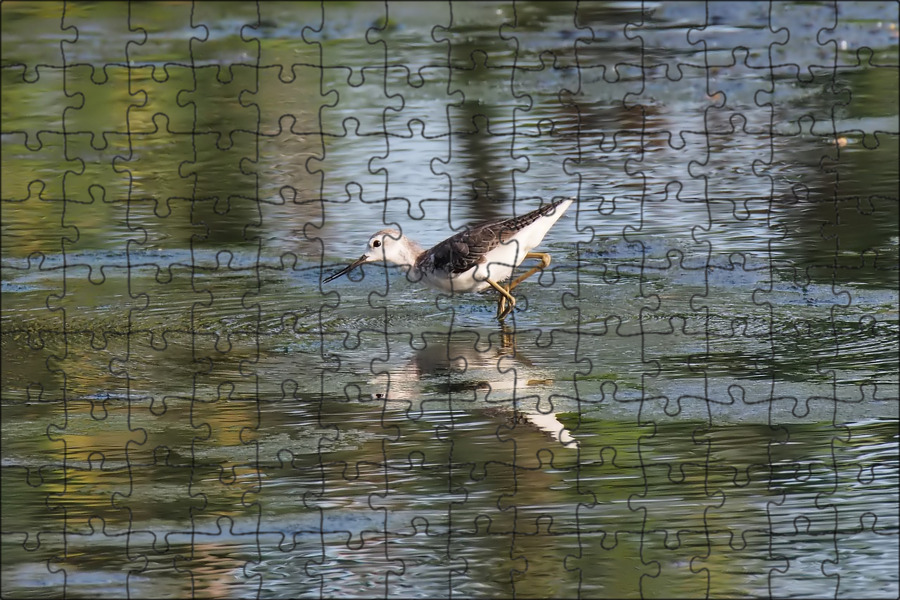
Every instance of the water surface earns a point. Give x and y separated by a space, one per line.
698 398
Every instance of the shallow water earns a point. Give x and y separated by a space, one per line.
699 397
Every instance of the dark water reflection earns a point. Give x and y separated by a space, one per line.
698 399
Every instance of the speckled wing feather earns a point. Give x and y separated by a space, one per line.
466 249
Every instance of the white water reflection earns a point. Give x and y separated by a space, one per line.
464 369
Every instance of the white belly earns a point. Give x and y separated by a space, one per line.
499 266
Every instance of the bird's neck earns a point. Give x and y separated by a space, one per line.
407 257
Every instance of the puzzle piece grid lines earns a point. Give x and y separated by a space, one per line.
705 377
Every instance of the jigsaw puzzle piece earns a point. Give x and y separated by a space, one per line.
37 44
463 41
151 28
288 141
25 129
223 116
807 27
290 25
100 180
34 567
160 105
99 92
225 198
113 20
215 34
50 164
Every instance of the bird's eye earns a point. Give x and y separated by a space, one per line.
376 243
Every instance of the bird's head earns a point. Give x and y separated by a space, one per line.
387 245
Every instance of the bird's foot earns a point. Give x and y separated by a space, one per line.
506 302
504 307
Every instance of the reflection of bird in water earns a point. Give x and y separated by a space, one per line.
452 368
473 260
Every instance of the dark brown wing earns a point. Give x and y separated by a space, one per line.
461 252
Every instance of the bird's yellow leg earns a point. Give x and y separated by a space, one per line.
545 262
502 308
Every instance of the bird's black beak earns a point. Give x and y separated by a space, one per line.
361 260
